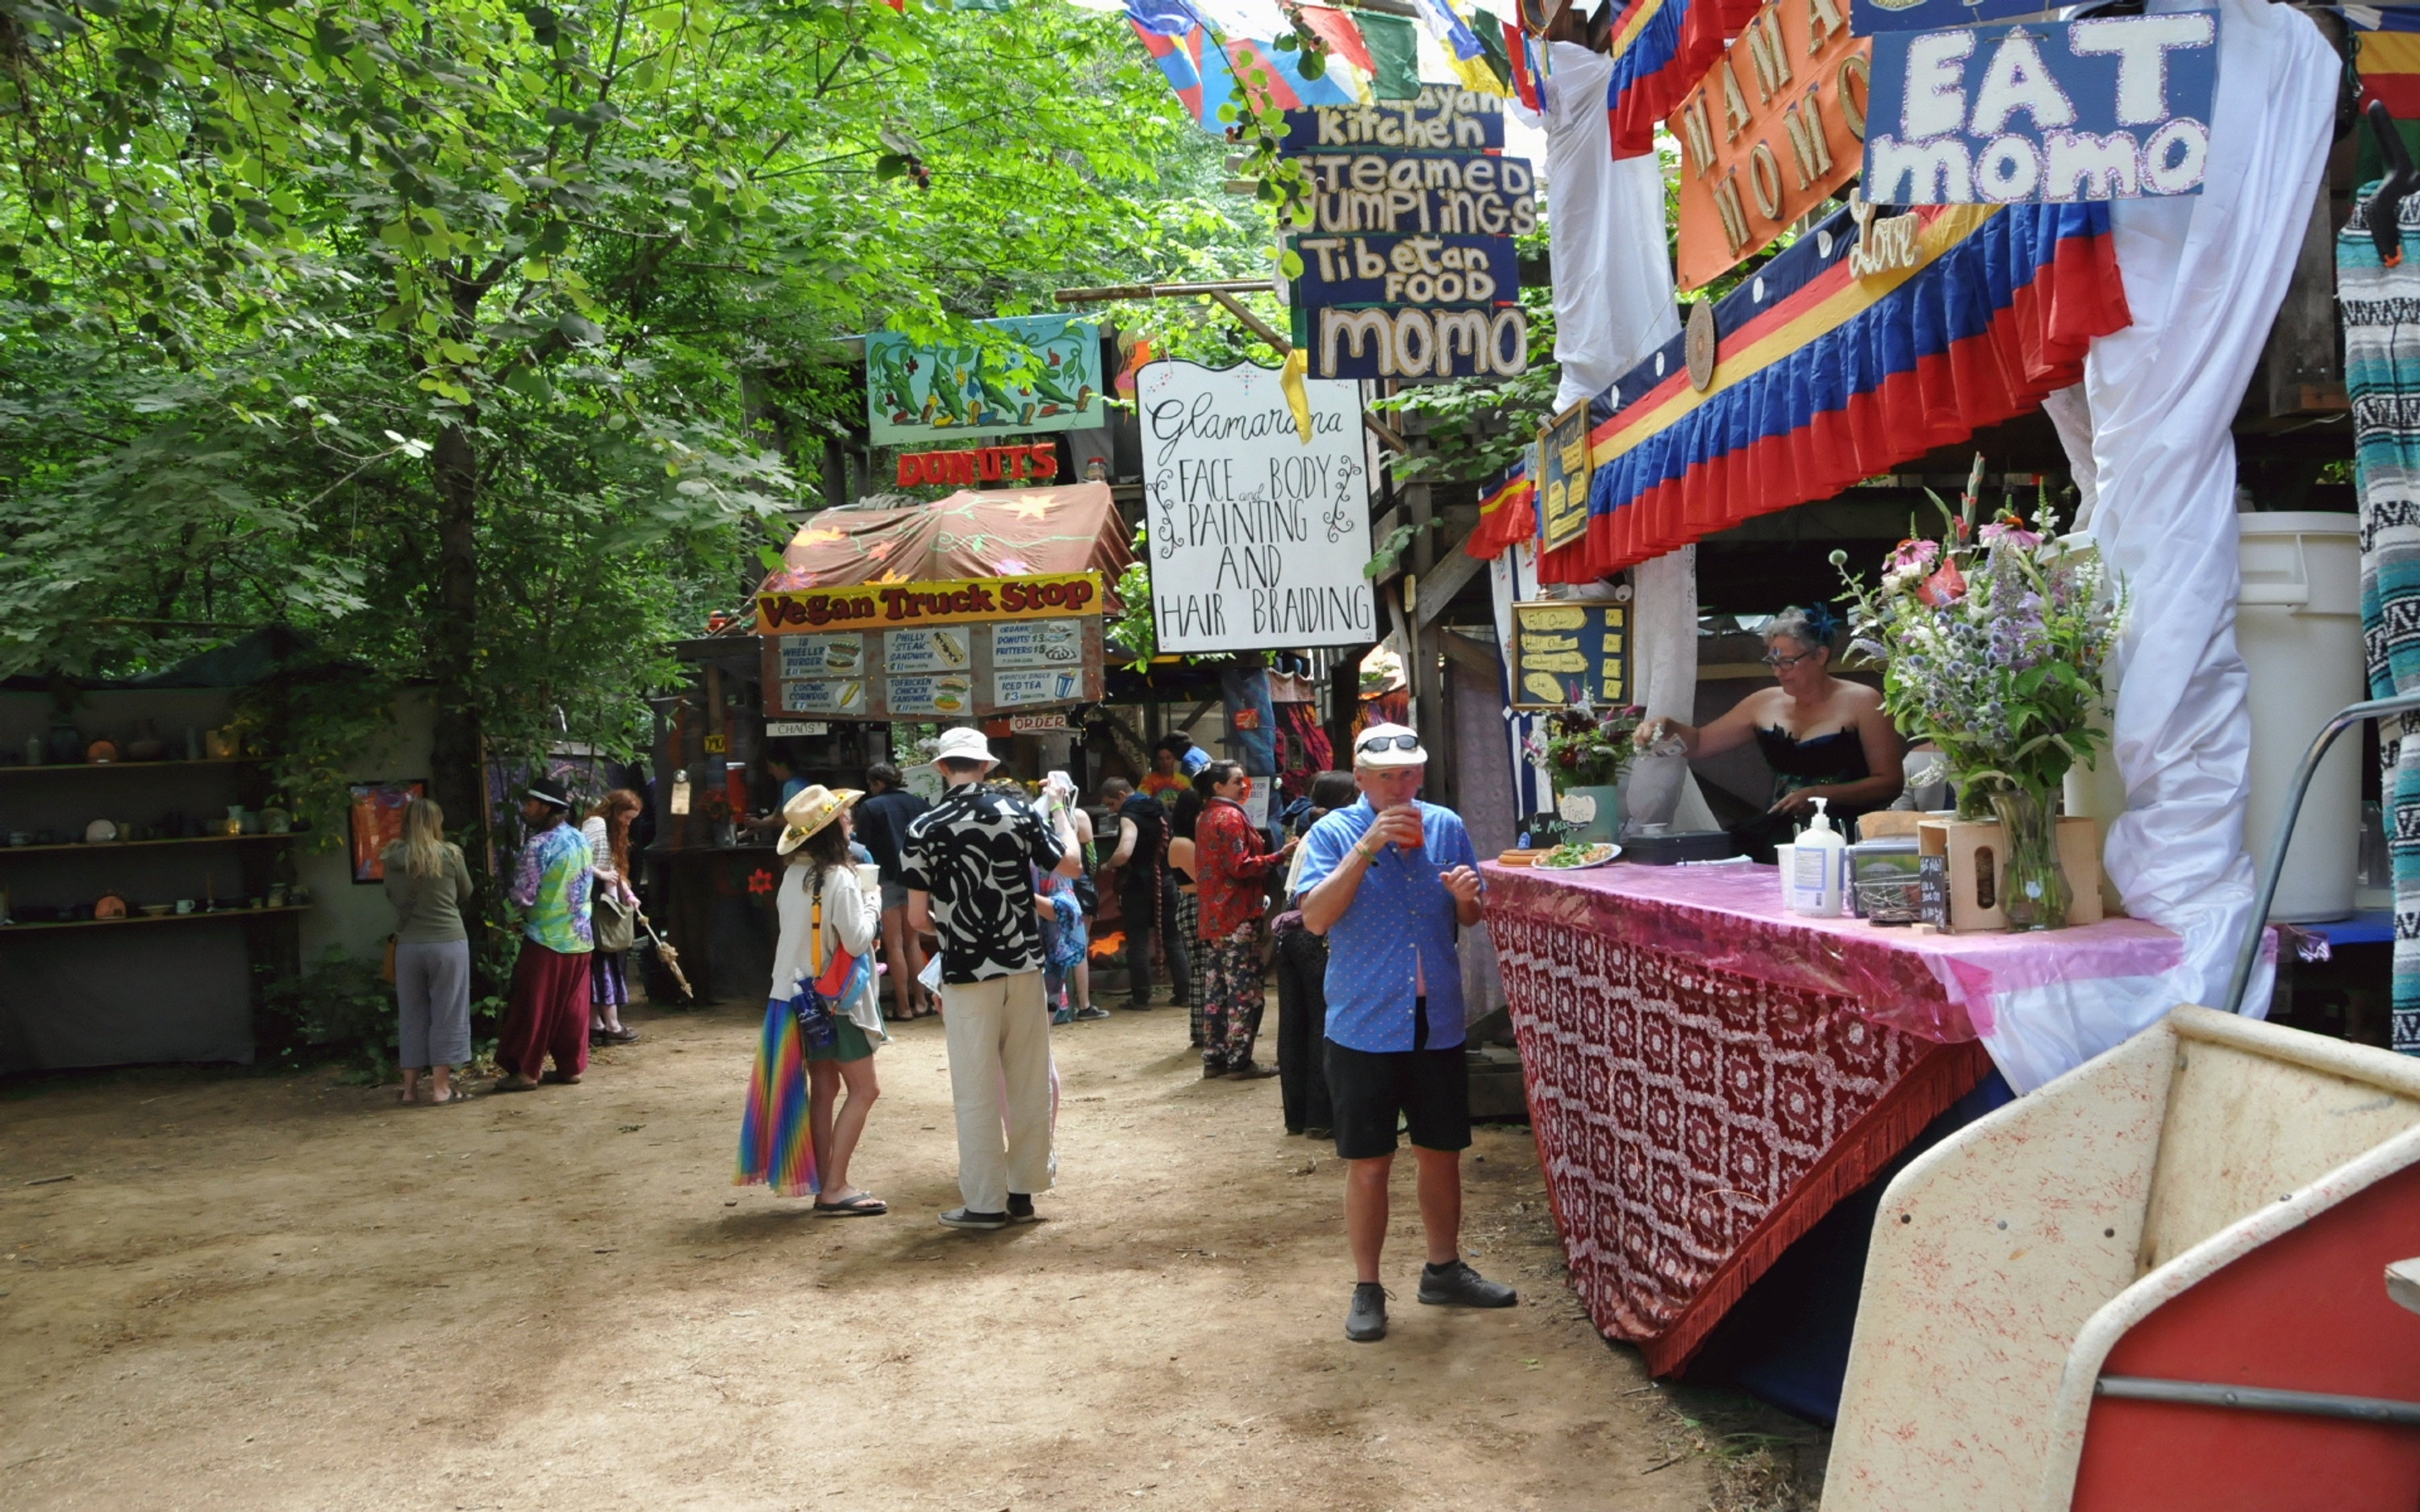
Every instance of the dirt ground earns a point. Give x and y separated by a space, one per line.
282 1292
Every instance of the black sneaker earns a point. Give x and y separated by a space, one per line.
1454 1284
1088 1015
1020 1208
1367 1320
968 1218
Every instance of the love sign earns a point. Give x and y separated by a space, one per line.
2111 108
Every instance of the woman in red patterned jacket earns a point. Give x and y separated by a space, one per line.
1232 869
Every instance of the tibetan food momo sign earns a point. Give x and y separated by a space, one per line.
1257 538
1404 264
1777 125
2111 108
963 649
1039 373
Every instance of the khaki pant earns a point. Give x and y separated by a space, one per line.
999 1035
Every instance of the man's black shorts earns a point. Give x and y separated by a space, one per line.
1430 1088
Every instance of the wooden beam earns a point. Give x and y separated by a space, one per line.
1470 654
1444 580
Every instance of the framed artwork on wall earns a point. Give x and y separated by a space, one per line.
376 812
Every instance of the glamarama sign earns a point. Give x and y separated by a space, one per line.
2059 111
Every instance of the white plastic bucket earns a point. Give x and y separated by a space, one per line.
2297 624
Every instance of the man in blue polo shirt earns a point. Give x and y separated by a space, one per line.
1388 881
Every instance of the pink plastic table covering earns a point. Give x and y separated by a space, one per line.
1935 986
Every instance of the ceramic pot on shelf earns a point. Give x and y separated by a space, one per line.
144 744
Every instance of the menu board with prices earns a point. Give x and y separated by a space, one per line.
946 672
1567 653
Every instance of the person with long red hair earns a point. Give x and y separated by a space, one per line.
616 908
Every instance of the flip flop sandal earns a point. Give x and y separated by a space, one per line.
864 1204
506 1083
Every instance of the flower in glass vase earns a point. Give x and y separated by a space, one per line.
1992 651
1584 748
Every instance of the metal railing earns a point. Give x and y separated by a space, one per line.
2249 951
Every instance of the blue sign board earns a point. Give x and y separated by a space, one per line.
1442 119
1868 17
1439 271
2111 108
1358 192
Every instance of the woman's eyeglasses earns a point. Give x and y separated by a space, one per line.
1782 664
1378 743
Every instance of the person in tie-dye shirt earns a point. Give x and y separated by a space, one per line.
547 1010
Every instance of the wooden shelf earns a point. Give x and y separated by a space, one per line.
6 930
126 765
127 845
131 845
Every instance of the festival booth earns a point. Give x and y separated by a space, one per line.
1720 1086
880 625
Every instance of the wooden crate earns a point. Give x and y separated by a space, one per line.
1962 843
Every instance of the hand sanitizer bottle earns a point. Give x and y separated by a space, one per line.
1813 866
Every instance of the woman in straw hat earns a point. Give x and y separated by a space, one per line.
824 912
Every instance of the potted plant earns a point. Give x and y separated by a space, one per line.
1992 643
1586 751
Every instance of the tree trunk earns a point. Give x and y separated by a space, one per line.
456 768
458 747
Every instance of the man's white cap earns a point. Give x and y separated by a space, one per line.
964 743
1388 745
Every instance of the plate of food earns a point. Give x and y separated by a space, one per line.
1573 855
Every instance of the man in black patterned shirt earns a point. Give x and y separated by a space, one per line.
965 861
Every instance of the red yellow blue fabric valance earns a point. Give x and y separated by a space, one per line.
1825 377
1661 48
1507 514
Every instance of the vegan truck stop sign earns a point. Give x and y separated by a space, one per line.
1257 539
2111 108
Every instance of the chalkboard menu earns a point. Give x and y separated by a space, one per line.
1564 476
1566 653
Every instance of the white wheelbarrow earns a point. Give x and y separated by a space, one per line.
2154 1284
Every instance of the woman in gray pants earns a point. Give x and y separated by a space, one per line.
430 886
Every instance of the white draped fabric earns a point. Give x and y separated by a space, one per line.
2204 277
1613 308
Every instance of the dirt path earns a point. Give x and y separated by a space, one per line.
281 1292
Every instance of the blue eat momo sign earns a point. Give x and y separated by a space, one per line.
1869 18
2105 109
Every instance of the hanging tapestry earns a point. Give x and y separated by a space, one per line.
2382 317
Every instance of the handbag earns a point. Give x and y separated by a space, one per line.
611 922
818 1002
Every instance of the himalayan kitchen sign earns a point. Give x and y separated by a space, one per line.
1774 130
956 650
1407 264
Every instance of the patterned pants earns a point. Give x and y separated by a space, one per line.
1188 928
2381 308
1231 998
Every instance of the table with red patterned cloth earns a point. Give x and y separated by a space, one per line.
1708 1075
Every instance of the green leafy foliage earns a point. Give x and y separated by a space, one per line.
487 343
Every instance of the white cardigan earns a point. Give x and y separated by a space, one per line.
851 919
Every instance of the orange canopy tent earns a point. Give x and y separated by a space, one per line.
992 533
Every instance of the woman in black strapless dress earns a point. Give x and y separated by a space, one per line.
1823 738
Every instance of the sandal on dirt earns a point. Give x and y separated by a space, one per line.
864 1204
560 1078
621 1036
514 1083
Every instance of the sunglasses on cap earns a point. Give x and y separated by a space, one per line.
1378 743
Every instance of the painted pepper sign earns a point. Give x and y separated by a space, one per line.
1777 125
2112 108
1257 538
